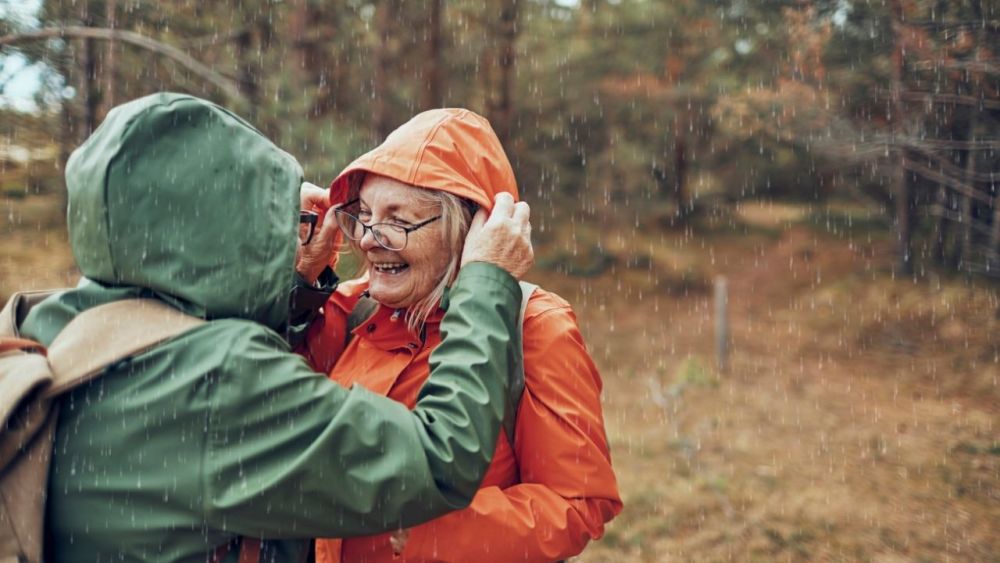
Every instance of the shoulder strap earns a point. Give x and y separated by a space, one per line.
109 333
359 314
17 308
94 339
517 378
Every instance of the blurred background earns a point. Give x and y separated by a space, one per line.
778 221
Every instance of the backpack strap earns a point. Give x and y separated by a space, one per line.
30 382
107 334
517 377
17 308
359 314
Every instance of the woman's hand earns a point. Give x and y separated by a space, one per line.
503 239
327 238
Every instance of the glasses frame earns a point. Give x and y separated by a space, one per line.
365 228
308 218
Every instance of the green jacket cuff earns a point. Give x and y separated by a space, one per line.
476 274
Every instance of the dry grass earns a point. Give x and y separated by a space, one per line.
858 420
34 250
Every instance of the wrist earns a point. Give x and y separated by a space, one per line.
310 274
308 277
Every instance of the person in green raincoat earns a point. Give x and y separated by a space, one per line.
223 432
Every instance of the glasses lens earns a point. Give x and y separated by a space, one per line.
389 236
350 225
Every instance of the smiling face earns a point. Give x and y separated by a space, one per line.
400 278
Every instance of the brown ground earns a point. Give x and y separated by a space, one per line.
858 421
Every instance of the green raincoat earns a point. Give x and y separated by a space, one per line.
223 432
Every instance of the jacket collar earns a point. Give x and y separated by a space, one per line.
386 328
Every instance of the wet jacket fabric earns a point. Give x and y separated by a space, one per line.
551 490
222 431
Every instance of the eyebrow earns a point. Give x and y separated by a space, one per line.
392 209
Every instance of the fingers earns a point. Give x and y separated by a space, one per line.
522 216
322 250
328 227
313 197
502 239
503 206
478 221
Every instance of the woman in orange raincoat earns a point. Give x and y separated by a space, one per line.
407 206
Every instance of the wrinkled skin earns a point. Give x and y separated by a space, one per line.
502 237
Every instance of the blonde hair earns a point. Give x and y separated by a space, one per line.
456 217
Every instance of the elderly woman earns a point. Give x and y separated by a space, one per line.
406 208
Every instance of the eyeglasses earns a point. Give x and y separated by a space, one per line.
388 235
307 226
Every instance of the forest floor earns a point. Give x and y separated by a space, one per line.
858 419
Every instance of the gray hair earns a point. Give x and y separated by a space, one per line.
456 217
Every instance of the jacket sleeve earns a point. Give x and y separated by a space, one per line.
305 304
324 339
568 488
290 453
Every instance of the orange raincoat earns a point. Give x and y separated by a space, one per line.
551 491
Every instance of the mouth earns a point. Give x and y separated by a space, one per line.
390 268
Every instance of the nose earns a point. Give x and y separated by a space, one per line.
368 241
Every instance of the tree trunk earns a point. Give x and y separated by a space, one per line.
247 80
313 28
69 123
964 254
586 16
904 235
432 64
900 188
110 62
89 85
380 91
486 81
993 255
680 191
247 45
502 111
940 230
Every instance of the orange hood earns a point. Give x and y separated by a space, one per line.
452 150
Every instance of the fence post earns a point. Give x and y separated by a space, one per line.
721 324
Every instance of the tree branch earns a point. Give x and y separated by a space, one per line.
947 167
937 210
957 185
972 66
182 58
938 98
943 144
957 24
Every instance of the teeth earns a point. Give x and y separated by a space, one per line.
390 267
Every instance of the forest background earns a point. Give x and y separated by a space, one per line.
834 161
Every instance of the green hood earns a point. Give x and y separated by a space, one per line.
178 195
